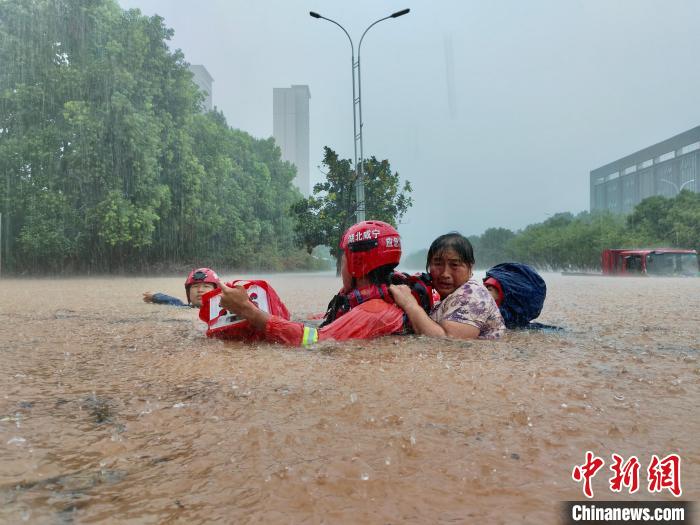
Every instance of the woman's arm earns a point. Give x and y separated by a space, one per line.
423 324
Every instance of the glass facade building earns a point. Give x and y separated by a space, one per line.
662 169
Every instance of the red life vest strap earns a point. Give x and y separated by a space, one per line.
420 285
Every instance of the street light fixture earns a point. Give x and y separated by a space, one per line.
357 108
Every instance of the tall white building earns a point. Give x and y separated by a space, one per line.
290 128
204 81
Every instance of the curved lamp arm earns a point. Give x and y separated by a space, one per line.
392 15
316 15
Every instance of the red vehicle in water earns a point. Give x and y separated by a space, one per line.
659 261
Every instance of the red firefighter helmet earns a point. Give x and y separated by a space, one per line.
201 275
369 245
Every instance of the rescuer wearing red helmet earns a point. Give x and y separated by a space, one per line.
198 282
364 307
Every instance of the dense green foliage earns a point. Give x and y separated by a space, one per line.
674 222
107 162
565 241
330 210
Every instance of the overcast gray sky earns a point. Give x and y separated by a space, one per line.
543 91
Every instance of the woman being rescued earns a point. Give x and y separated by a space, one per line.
362 310
466 309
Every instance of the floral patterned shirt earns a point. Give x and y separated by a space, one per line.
472 304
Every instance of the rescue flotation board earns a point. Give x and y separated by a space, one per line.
227 325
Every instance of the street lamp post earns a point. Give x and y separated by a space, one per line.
683 185
357 109
678 190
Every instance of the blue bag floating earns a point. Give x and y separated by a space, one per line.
523 293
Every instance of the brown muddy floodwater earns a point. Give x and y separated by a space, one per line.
117 411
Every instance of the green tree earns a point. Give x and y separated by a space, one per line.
673 222
567 241
82 107
684 218
322 218
108 162
648 222
493 247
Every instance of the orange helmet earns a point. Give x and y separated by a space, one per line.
369 245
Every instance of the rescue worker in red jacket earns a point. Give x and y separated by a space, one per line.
362 310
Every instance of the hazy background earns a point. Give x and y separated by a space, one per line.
504 133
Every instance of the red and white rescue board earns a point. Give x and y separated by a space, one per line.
226 325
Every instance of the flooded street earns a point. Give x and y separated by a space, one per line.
117 411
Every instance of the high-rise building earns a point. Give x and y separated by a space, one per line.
290 128
663 169
204 81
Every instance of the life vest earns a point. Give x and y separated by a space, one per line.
420 285
225 325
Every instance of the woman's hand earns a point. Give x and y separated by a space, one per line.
402 296
422 323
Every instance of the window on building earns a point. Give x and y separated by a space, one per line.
666 156
631 169
646 164
690 147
